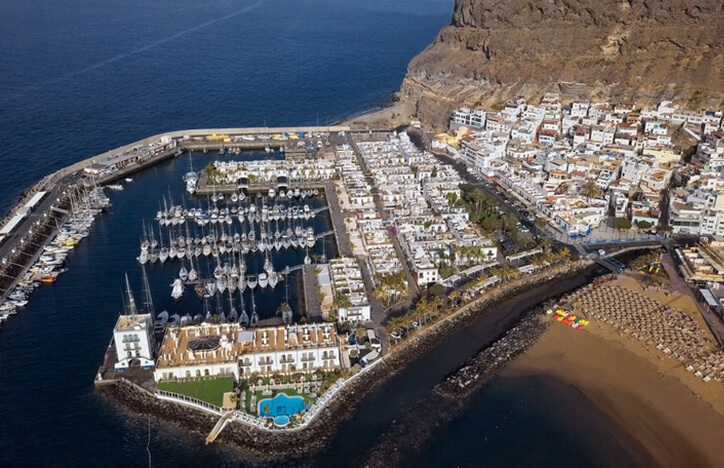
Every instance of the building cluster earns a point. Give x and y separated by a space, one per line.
348 286
697 206
578 163
368 234
418 195
227 349
110 163
269 170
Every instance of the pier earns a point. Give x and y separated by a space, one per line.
30 233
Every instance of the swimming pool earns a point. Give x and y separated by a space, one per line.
281 421
281 405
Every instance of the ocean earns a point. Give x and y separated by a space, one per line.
81 77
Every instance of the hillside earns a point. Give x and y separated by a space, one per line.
630 49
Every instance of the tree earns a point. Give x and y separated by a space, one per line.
622 223
564 253
643 224
437 290
545 245
454 297
342 301
592 190
491 224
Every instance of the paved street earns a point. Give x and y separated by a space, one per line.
335 213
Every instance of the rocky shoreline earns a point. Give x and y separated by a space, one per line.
481 368
294 446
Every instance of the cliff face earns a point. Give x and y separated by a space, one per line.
645 50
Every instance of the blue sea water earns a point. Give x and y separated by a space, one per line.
82 76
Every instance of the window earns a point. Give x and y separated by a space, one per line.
188 373
206 372
198 373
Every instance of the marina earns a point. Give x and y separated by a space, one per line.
117 165
52 119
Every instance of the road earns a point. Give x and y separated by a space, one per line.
335 212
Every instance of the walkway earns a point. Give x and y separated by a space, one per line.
311 297
220 425
337 218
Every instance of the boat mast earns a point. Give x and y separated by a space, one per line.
131 304
147 300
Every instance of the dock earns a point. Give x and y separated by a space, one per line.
21 247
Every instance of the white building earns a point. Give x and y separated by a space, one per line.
133 337
229 349
465 117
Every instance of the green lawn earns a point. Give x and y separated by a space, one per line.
209 390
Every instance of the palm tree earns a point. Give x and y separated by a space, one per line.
342 301
455 297
591 190
452 198
545 245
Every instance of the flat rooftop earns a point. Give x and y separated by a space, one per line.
132 322
220 343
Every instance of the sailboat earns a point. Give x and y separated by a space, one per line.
193 275
244 317
233 315
143 258
163 252
200 289
268 266
254 315
178 289
263 280
191 178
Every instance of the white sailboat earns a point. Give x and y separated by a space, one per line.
178 289
263 280
273 279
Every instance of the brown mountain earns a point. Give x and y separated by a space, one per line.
643 50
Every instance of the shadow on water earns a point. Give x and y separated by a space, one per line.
535 420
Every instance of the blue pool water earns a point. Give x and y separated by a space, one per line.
281 421
281 405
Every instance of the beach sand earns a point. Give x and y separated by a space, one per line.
677 418
401 112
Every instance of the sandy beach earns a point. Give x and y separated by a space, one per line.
400 112
674 416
